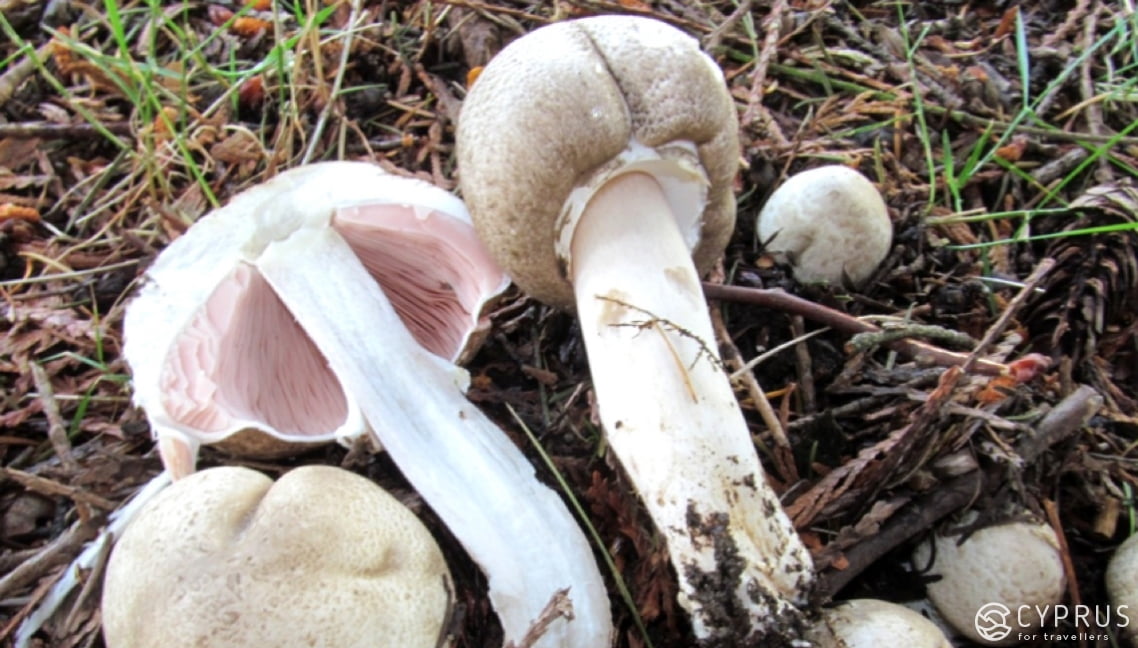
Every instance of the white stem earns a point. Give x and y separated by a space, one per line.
462 464
671 417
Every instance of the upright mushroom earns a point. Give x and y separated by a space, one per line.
227 557
267 315
597 158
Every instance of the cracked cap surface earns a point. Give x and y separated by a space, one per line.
558 105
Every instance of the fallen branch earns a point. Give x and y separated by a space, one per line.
783 301
51 488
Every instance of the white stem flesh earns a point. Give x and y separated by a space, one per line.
671 417
463 465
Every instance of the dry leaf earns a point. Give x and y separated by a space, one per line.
996 390
1012 152
8 211
1007 22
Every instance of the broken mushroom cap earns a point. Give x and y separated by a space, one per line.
216 358
872 623
312 263
830 223
1122 582
616 113
226 557
1013 564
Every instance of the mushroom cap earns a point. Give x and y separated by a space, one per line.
830 223
323 557
1012 565
217 358
1122 582
571 104
871 623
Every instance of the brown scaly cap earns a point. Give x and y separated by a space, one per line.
554 110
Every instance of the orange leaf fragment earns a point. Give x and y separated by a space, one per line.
978 73
1012 152
1007 22
997 389
9 211
164 124
840 562
248 26
61 53
472 75
1027 368
252 92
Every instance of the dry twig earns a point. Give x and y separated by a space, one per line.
56 430
787 303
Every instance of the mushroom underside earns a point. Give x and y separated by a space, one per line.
243 362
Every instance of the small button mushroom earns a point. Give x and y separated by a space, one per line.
830 223
1012 565
871 623
613 199
1122 585
322 557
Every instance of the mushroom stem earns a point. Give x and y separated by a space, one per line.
742 569
513 526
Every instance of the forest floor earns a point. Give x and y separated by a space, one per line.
1001 136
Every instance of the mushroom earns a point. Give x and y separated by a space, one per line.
267 315
614 198
871 623
1122 585
1010 575
830 223
227 557
218 359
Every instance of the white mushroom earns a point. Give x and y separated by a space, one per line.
267 315
226 557
870 623
1122 585
597 158
218 359
830 223
1000 578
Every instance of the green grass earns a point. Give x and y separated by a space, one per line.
922 126
100 364
955 175
156 61
594 535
